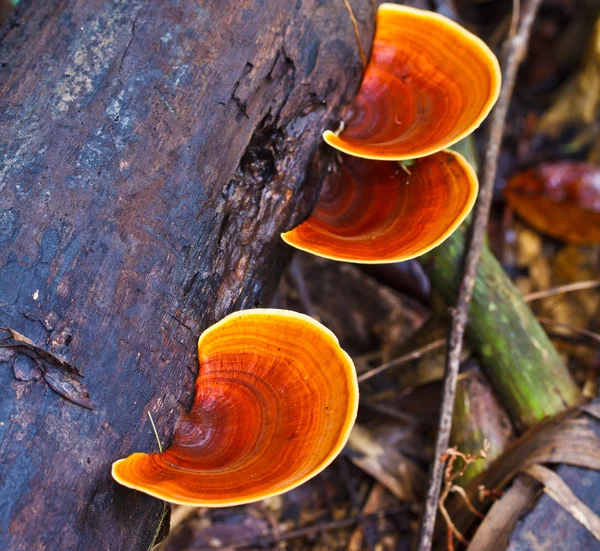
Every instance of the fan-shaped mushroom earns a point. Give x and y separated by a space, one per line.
275 401
428 84
377 212
560 199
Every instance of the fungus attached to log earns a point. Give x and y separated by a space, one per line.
559 199
377 211
275 401
428 84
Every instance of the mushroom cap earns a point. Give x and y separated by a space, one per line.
429 83
275 401
374 212
559 199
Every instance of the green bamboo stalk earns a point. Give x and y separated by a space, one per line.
515 353
477 418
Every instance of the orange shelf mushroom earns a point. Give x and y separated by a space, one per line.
377 212
560 199
275 401
428 84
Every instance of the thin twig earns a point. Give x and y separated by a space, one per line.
274 528
513 52
572 328
451 527
165 508
354 498
568 288
356 32
451 473
514 19
300 284
402 359
467 501
155 432
579 340
312 530
392 413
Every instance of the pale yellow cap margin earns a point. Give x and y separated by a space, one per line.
472 177
344 435
333 140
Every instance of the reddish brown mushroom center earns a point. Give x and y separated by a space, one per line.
248 408
218 434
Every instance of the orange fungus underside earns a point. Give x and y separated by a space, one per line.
377 211
275 401
428 84
559 199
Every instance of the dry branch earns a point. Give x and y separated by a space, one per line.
513 52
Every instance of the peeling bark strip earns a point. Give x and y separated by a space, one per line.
61 376
150 154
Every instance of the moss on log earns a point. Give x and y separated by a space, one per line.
515 352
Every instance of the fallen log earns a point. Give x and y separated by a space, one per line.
150 155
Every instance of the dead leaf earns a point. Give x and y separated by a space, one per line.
579 101
560 492
570 439
560 199
395 472
497 526
373 504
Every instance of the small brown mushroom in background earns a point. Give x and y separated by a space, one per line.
560 199
275 401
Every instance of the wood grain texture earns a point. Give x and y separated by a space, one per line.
150 154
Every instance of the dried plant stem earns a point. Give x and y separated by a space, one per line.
512 53
568 288
571 328
514 19
450 475
311 530
155 432
166 506
413 355
462 493
356 32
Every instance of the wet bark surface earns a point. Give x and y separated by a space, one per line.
150 154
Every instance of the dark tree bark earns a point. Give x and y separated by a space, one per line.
6 9
150 154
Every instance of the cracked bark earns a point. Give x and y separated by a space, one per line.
150 155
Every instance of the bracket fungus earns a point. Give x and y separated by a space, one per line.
377 212
276 398
560 199
429 83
